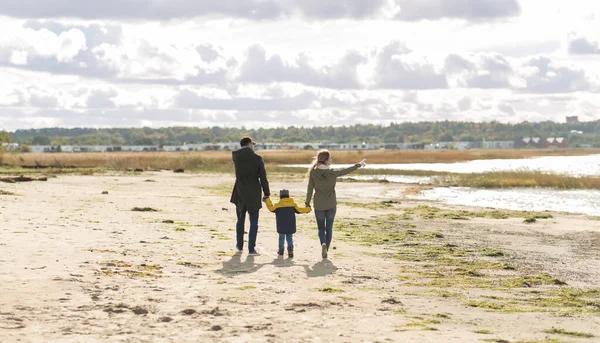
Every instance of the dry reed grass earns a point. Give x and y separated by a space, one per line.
210 160
524 179
220 162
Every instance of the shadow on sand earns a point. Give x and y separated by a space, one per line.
236 266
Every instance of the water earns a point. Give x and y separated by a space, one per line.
570 165
528 199
575 201
423 180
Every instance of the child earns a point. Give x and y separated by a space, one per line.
285 211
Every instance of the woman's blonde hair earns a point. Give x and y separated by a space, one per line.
321 158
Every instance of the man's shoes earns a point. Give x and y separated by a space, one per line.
324 250
253 252
290 252
280 252
238 250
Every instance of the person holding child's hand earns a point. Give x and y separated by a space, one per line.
322 180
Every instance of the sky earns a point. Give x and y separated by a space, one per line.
273 63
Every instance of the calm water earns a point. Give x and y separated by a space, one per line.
576 201
572 165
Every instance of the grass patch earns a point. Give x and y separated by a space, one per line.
441 315
445 269
483 332
432 212
329 290
485 304
223 189
492 253
102 251
245 288
179 229
558 331
524 179
532 280
132 274
382 205
2 192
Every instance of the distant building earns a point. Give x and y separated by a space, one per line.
573 120
556 142
498 144
530 142
10 146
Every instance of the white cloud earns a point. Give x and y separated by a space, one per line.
583 46
397 69
545 76
70 43
258 68
101 99
479 70
284 62
457 9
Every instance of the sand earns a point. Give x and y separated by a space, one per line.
77 265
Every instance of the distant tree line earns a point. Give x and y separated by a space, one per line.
587 133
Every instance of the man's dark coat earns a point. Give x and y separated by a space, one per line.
250 177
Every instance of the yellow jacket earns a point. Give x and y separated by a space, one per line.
286 210
286 202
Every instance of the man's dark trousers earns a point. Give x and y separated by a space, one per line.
241 221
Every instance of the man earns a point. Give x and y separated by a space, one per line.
250 177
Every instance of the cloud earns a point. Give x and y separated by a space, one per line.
395 69
582 46
208 53
333 9
409 10
98 51
101 99
413 10
141 9
506 109
189 99
542 75
262 70
43 101
95 34
482 70
464 104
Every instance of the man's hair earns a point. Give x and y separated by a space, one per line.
245 141
284 193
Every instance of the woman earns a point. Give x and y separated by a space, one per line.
322 179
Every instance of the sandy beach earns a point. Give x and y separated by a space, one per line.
77 265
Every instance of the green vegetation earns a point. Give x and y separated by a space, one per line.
523 179
422 132
557 331
483 332
446 269
245 288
